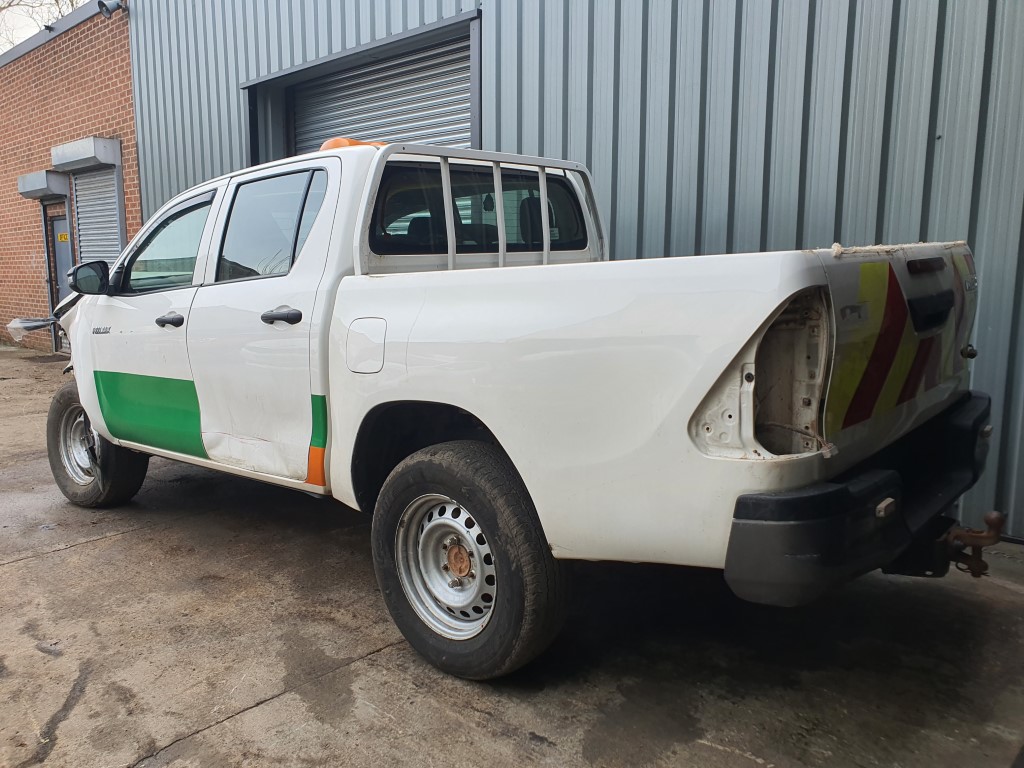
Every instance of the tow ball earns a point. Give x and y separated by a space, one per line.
965 544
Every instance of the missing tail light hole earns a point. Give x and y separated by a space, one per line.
790 364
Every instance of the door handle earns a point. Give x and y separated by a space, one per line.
927 312
172 318
287 315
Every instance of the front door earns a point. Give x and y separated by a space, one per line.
61 255
250 326
142 381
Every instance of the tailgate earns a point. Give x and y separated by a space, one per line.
901 316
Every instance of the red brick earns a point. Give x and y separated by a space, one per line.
77 85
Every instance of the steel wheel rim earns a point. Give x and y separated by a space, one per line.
77 445
439 542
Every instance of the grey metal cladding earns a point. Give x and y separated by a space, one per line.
911 89
998 243
603 94
681 142
629 128
654 178
956 128
789 82
190 59
865 120
824 107
746 177
708 124
719 104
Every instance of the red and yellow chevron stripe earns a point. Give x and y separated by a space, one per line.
884 363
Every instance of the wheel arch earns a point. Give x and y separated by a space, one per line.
392 431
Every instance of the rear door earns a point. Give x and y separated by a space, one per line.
135 339
902 316
251 323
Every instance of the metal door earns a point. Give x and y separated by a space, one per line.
133 342
61 255
251 363
98 215
423 96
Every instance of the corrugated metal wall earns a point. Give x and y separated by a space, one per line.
732 125
189 59
710 125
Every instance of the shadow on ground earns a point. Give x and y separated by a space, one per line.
886 658
234 612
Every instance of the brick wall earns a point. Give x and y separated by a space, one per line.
77 85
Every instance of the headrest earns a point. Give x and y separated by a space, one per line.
531 228
419 229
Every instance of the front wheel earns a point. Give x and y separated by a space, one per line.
89 470
462 562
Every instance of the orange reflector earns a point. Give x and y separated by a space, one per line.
340 141
315 474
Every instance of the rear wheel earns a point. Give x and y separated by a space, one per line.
89 470
462 562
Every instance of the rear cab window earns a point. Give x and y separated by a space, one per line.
409 216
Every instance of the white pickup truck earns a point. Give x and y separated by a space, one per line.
438 337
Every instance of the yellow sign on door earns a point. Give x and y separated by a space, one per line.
62 237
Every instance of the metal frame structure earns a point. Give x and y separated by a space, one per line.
497 161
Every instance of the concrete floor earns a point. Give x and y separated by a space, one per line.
219 622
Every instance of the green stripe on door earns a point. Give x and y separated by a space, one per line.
151 410
319 437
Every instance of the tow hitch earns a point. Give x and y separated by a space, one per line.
945 541
960 540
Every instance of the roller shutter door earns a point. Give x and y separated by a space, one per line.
422 97
97 215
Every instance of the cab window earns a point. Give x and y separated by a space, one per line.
521 206
269 222
476 222
409 216
167 257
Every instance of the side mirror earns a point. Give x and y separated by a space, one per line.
91 278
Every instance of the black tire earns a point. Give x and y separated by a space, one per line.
529 601
113 475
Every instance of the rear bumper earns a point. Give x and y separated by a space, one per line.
791 547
